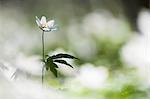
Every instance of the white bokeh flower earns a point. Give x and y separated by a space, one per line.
27 89
92 77
104 25
28 64
136 52
46 26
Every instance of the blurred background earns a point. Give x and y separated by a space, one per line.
110 37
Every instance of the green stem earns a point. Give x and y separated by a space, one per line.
43 54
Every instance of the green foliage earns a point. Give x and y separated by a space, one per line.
61 55
50 65
50 62
109 54
127 92
63 62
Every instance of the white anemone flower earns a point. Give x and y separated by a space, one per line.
46 26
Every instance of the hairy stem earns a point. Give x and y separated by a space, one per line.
43 54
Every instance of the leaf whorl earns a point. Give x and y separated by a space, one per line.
50 62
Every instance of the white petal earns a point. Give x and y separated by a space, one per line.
54 29
43 20
38 21
50 23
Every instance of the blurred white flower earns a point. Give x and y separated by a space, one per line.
144 22
104 25
27 89
136 52
92 77
76 35
46 26
31 64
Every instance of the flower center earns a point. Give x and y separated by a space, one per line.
44 25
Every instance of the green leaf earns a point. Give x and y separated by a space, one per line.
54 71
50 65
61 55
54 65
63 62
50 62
